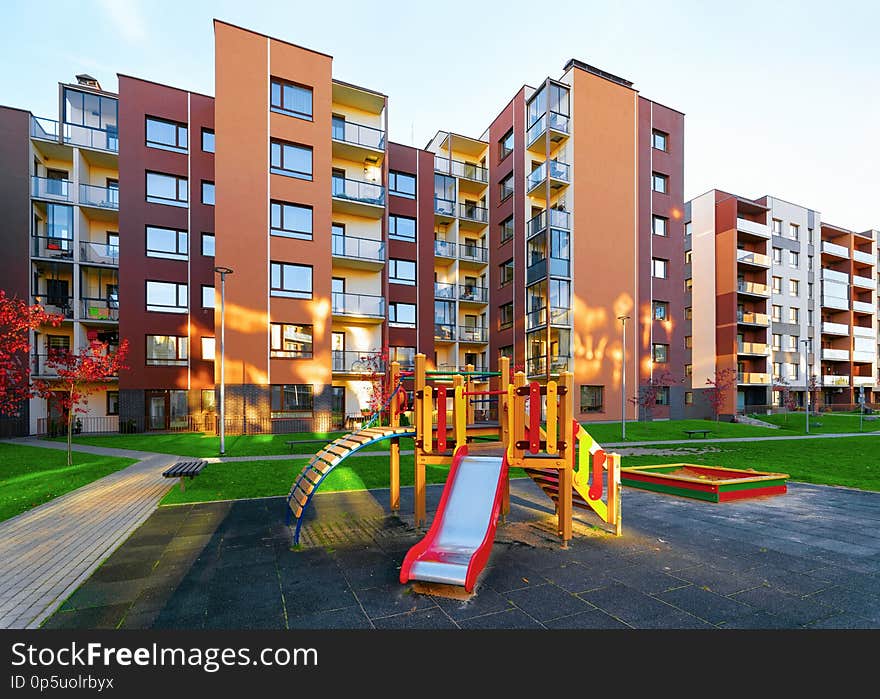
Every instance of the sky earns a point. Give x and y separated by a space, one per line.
780 97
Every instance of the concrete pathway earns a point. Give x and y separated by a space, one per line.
48 552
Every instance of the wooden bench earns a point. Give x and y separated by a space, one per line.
691 433
185 469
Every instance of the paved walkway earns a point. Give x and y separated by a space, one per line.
48 552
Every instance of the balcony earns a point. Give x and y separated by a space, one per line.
747 257
864 356
472 217
99 253
835 355
557 124
99 197
473 254
761 319
357 253
753 288
751 378
762 230
358 197
444 290
444 332
445 251
80 136
52 248
458 168
864 282
835 328
536 366
353 362
558 219
864 257
557 171
61 305
835 250
364 306
753 348
835 381
863 381
352 141
475 335
51 189
445 208
473 294
40 366
862 307
835 302
99 309
863 331
830 275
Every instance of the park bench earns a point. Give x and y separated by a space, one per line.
185 469
691 433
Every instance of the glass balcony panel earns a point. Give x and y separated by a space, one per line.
445 332
445 207
358 134
468 333
357 190
100 253
358 305
443 248
101 197
473 253
359 248
50 188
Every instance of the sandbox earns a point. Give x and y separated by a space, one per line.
710 483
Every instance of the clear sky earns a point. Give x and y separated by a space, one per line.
781 97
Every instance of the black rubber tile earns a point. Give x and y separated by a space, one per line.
511 576
103 594
800 611
545 602
392 599
592 619
512 619
346 618
576 577
760 620
419 619
640 610
720 581
846 599
115 572
107 617
645 579
846 620
304 599
705 605
485 601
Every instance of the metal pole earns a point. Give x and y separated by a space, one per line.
807 383
623 320
222 271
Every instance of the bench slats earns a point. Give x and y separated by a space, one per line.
185 469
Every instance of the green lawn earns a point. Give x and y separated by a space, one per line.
30 476
659 430
826 423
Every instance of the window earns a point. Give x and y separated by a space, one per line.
793 342
776 341
793 317
660 353
661 310
688 369
208 244
208 346
794 258
777 370
688 341
167 135
93 111
659 140
809 290
291 160
287 341
592 399
292 281
208 193
688 285
405 356
209 400
506 272
292 400
166 297
507 229
688 397
402 315
290 220
660 225
777 285
402 272
166 242
506 186
659 182
794 287
794 231
167 350
777 313
688 256
659 267
793 371
688 313
777 255
208 297
506 351
777 226
505 316
290 98
208 140
166 189
809 317
688 226
663 395
505 145
402 185
113 402
402 228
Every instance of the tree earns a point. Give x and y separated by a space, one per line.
648 393
376 366
17 319
719 384
788 399
79 374
813 388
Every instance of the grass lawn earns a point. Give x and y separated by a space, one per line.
30 476
826 423
609 433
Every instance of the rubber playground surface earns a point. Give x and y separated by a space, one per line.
807 559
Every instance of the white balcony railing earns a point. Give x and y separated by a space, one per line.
862 331
835 381
864 282
835 302
835 249
830 275
864 257
864 356
835 328
863 381
863 307
836 355
747 226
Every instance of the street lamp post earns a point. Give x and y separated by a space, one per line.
623 320
806 343
222 271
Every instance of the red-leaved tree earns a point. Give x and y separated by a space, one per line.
17 319
788 399
378 376
719 386
650 390
79 374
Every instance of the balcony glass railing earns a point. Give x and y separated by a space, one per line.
468 333
101 197
835 302
50 188
358 248
473 253
863 381
752 258
539 365
831 275
40 365
444 248
760 229
536 318
752 378
358 134
556 121
444 207
99 309
835 328
560 316
864 282
444 290
354 362
863 331
99 253
753 318
864 257
474 294
558 219
56 248
53 303
862 307
558 171
834 249
356 190
444 332
81 136
471 212
752 348
364 305
458 168
835 380
753 288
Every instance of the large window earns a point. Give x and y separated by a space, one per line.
167 189
208 140
291 220
167 135
506 186
401 184
794 287
660 225
402 228
288 341
207 193
93 111
405 356
402 272
661 310
659 140
592 399
660 268
660 182
292 400
505 316
505 145
660 353
662 395
209 400
402 315
208 244
167 350
113 402
208 347
290 98
166 297
292 281
507 229
208 297
506 272
166 242
291 159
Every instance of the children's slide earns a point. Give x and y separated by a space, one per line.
457 545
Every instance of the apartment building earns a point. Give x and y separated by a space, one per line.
777 296
535 240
